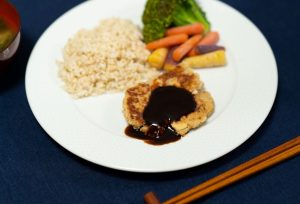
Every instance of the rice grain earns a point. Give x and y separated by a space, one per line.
108 58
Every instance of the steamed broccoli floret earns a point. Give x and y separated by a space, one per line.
157 17
153 31
162 14
187 12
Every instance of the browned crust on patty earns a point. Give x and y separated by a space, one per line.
180 77
137 97
135 100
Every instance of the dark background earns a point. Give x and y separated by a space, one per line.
35 169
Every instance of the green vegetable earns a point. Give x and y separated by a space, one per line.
188 12
157 17
152 31
162 14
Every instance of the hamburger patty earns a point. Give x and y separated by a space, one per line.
137 98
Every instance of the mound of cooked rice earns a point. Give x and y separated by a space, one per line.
109 58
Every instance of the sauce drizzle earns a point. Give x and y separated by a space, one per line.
166 104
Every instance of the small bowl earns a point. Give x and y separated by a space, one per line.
9 33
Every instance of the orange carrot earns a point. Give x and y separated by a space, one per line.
184 48
192 29
193 52
211 38
167 41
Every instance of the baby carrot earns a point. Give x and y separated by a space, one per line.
192 29
211 38
184 48
193 52
167 41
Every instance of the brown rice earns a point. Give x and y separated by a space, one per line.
109 58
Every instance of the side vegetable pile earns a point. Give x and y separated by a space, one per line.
178 33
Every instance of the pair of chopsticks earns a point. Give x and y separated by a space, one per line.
263 161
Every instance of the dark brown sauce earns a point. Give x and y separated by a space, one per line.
166 135
166 104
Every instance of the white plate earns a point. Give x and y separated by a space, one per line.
93 128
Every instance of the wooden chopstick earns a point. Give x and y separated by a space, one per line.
263 161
